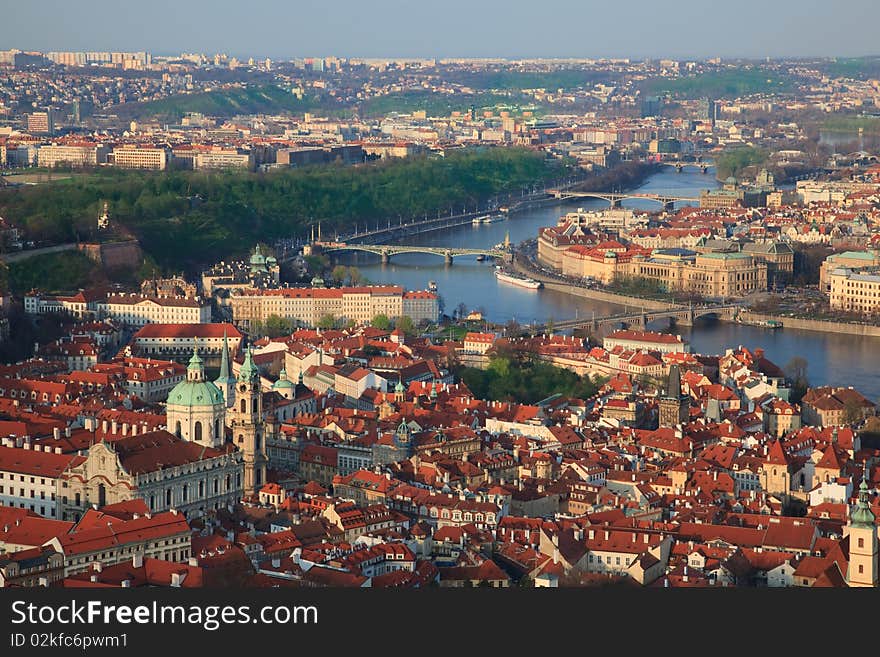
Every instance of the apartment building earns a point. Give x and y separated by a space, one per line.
71 155
855 291
131 156
30 475
308 305
139 310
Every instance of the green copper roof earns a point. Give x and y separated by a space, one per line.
249 370
195 393
195 363
283 381
862 516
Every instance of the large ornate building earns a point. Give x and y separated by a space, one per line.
158 467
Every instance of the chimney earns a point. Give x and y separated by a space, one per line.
137 560
113 427
126 583
125 428
134 429
56 433
98 567
104 426
176 580
67 432
192 561
276 562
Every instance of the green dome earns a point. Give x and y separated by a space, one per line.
283 383
195 393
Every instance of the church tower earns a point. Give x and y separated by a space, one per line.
674 406
226 382
246 423
862 532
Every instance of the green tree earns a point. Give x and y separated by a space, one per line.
327 322
339 274
405 324
276 326
381 322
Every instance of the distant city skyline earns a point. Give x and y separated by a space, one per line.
678 29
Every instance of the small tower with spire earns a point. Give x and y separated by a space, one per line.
226 382
674 407
863 545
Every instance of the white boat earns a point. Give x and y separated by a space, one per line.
476 221
492 218
521 281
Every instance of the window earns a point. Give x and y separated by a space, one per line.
861 569
197 433
861 542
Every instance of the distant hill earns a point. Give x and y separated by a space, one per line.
262 99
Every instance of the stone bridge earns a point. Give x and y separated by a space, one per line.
684 315
386 251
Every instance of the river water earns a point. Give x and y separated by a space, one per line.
833 359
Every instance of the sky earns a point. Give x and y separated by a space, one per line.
284 29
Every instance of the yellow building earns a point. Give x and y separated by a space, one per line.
708 274
854 291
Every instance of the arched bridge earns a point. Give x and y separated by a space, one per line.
682 315
385 251
668 201
680 166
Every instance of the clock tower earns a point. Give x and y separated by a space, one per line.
246 422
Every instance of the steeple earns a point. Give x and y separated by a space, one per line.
673 388
249 370
862 516
224 359
226 382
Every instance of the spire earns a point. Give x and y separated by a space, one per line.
433 390
224 359
862 516
248 370
673 389
300 380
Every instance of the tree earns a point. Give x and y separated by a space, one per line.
276 326
327 322
852 412
796 373
462 310
381 322
405 324
339 274
354 276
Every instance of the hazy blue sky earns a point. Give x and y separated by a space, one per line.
472 28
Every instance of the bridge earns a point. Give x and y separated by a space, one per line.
679 166
386 251
668 201
682 315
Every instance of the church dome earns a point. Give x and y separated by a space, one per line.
195 390
283 383
190 393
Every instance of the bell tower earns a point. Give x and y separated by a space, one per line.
862 532
246 423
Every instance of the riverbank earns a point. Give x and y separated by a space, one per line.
844 328
522 266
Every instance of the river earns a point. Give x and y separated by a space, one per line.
833 359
